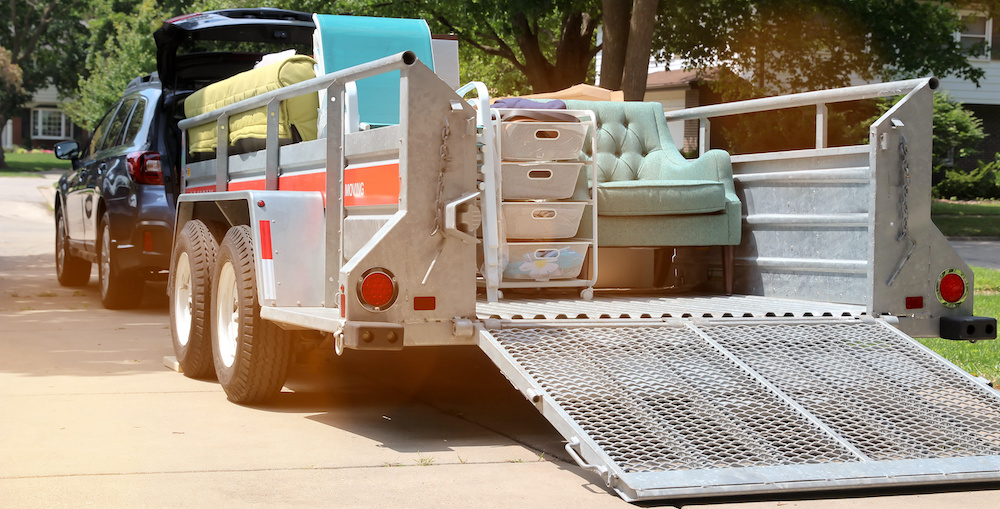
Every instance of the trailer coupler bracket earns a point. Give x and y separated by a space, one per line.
968 328
373 336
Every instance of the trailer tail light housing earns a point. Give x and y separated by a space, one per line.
377 289
952 288
144 168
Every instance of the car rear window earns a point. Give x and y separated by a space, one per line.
115 129
135 123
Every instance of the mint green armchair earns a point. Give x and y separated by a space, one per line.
648 194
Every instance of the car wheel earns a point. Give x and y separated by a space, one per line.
118 290
190 291
70 270
251 354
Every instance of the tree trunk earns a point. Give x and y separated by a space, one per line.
640 41
3 124
573 52
615 42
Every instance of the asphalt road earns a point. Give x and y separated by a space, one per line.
979 253
89 416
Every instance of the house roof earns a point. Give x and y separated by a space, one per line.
672 79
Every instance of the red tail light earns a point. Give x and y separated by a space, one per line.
952 288
377 289
144 168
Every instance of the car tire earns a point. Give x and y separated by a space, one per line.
189 289
70 270
251 354
119 290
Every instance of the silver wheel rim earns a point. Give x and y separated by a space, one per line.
227 323
183 300
105 258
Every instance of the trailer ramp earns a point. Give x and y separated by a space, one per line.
680 408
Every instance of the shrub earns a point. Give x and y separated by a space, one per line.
981 183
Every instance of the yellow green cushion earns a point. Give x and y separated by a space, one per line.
299 112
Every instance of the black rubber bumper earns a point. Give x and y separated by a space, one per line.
968 328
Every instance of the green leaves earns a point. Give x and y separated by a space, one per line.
122 48
771 47
12 93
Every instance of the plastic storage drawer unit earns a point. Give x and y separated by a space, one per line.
542 220
541 141
539 181
541 261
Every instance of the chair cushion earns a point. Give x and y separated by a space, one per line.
660 197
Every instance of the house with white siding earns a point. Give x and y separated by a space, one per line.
41 124
982 101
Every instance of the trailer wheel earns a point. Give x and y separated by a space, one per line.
251 354
190 288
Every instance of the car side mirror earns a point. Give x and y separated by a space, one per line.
67 150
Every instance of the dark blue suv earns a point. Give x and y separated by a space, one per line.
116 206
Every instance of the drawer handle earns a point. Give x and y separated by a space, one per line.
547 134
546 254
544 213
540 174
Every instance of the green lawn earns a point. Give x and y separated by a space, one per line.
23 165
967 219
981 358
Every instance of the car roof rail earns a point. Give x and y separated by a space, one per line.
143 82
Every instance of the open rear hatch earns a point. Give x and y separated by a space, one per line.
197 49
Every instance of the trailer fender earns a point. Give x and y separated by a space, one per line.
289 238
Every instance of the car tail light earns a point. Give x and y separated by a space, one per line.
952 288
377 289
144 168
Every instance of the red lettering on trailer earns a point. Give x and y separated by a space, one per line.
372 184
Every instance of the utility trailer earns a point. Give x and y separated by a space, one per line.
805 379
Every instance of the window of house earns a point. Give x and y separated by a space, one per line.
49 123
978 30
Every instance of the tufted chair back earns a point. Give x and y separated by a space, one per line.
633 142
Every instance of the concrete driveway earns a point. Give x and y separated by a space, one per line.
89 416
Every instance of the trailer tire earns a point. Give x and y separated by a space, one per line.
190 292
251 354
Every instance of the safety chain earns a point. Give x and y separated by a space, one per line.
445 134
905 166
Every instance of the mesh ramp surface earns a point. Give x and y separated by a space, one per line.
680 411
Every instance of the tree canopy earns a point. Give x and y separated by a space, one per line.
121 48
768 47
91 48
12 93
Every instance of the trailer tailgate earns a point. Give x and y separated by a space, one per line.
680 408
